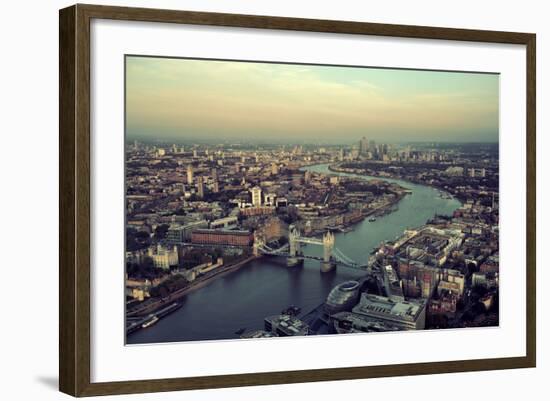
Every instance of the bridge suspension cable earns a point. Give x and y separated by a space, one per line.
338 254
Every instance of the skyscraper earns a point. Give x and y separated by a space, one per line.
363 146
256 196
372 146
200 186
189 174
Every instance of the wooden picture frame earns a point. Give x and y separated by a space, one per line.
74 199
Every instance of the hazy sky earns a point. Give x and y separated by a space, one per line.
225 100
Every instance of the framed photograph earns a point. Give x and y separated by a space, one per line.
250 200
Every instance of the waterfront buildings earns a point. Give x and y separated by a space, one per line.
408 315
343 297
258 334
222 237
379 313
285 325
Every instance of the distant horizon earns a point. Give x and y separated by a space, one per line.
179 141
213 101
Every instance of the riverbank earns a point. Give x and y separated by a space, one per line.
361 172
379 211
200 282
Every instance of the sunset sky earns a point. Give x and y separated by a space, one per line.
186 100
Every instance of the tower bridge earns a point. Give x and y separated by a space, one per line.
332 256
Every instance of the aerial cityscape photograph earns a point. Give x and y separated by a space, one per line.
273 200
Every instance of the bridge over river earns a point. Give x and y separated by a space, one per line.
295 256
243 298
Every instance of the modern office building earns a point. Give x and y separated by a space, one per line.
363 146
189 174
343 297
180 233
200 186
407 315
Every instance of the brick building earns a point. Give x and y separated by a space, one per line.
222 237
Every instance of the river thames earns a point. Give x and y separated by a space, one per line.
243 298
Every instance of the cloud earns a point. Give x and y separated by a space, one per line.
194 97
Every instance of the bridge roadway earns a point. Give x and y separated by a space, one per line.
341 261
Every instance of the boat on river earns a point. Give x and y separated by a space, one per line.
150 322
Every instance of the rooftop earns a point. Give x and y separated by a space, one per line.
380 306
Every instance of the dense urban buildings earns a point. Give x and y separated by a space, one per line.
196 212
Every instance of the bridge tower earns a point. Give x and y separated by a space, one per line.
258 243
328 245
294 247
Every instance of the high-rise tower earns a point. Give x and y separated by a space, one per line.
190 174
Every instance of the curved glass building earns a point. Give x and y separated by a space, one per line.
343 297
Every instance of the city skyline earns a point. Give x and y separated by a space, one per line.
217 101
398 238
